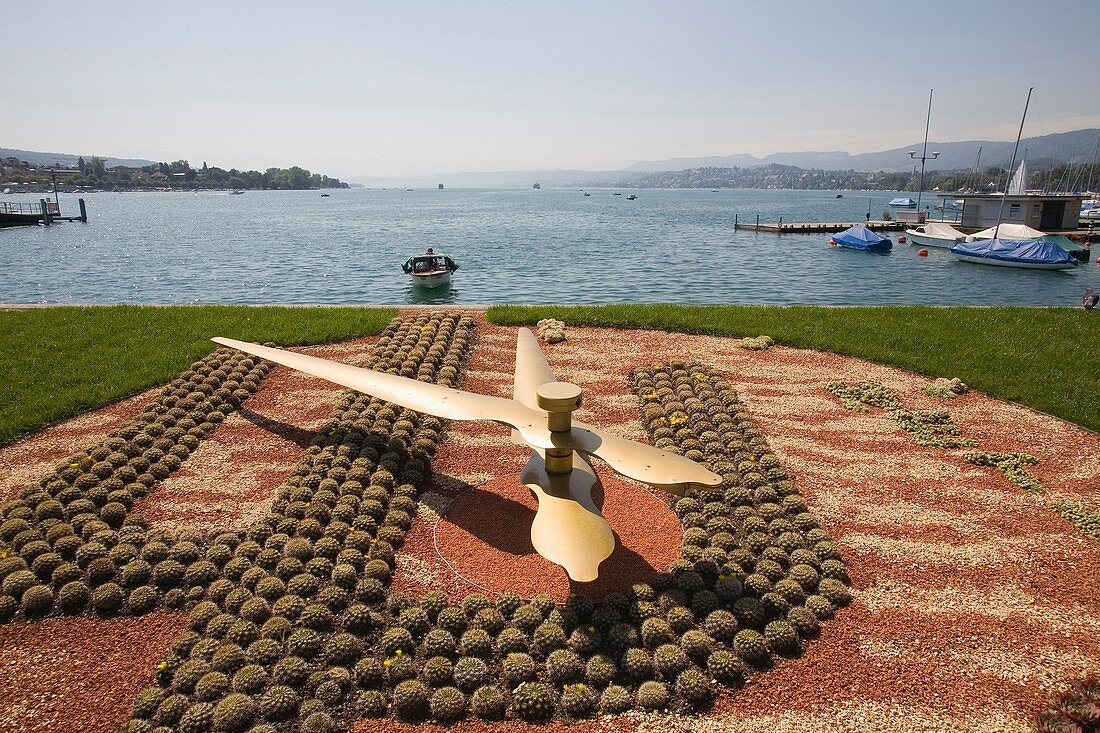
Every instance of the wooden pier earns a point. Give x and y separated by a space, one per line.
817 227
44 212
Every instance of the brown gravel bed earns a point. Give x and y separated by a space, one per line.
79 674
26 461
936 638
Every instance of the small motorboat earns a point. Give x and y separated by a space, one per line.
430 270
616 194
586 194
631 197
861 238
934 234
324 195
235 193
840 195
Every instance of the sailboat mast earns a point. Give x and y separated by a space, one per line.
977 170
924 153
1092 170
1012 164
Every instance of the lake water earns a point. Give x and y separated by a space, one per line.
513 246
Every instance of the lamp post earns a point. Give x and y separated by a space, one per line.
924 155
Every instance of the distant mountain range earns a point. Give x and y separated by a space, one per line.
1078 146
68 160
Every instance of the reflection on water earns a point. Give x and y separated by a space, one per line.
417 295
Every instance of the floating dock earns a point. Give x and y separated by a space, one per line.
44 212
812 227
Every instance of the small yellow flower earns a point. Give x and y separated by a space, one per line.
425 328
700 376
677 420
162 666
399 653
72 465
387 663
649 396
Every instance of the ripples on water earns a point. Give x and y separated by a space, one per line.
513 246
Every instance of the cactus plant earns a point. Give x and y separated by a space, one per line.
534 702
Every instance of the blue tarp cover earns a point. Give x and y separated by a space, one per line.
1033 251
860 237
902 202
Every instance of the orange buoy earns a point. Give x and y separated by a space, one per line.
901 240
833 244
922 253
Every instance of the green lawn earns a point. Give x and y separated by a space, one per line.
1045 358
58 362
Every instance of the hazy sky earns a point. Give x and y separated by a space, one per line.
387 89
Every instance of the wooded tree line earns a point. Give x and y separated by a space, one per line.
177 174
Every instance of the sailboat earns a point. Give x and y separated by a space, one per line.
1031 254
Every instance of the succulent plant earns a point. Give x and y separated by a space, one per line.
751 645
37 600
669 660
488 703
448 704
476 643
726 667
637 663
652 695
781 636
198 718
369 672
410 700
820 606
656 631
534 702
471 673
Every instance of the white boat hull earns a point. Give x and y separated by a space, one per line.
1021 265
928 241
431 279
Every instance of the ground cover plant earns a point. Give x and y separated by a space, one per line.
58 362
935 429
1029 355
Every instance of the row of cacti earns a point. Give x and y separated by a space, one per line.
283 634
69 542
931 428
755 577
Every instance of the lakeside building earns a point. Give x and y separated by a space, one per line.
1048 212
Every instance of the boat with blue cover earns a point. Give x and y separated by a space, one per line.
903 203
1030 254
861 238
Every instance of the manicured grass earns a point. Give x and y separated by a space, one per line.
58 362
1045 358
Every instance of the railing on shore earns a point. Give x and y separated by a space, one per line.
781 227
6 207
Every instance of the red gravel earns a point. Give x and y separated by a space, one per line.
973 599
79 674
